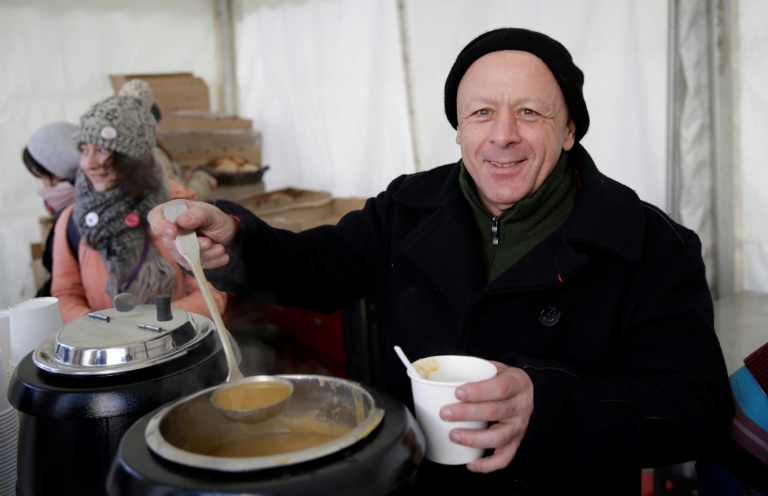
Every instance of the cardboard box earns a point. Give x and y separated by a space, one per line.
192 95
306 217
172 91
46 224
192 120
202 156
285 199
237 192
196 140
118 80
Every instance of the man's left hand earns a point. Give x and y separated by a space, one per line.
506 402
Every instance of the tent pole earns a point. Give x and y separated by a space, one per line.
673 63
226 56
724 195
405 43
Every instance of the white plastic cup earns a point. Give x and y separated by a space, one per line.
31 322
5 337
437 389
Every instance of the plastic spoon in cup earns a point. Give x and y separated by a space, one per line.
237 385
406 362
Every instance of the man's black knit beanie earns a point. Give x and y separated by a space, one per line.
568 76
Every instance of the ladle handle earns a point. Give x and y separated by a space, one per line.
187 244
234 371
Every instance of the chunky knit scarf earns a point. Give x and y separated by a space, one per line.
116 226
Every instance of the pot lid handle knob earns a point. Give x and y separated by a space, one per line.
163 306
124 302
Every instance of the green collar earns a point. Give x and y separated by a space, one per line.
525 224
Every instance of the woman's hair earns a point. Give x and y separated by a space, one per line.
34 167
136 177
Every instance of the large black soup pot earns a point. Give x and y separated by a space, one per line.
79 391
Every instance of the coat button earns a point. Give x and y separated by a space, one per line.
549 316
519 487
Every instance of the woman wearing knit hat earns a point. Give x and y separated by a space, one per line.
118 182
51 156
195 183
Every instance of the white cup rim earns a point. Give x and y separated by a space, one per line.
418 378
42 300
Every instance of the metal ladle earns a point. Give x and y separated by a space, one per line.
236 396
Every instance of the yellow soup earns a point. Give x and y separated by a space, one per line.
251 395
427 366
272 443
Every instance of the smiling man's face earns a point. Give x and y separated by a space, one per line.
513 124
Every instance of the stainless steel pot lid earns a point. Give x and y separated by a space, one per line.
120 339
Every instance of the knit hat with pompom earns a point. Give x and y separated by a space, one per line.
141 89
121 123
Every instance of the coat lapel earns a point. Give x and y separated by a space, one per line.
444 246
447 251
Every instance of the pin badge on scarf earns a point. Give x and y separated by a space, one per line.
91 219
132 220
108 133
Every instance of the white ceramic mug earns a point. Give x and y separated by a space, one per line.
444 374
31 322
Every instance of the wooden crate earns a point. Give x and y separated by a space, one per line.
285 199
204 155
196 140
191 120
172 91
303 217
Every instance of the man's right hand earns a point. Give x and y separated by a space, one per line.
216 231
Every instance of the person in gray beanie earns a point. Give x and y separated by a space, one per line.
51 156
52 152
117 184
592 304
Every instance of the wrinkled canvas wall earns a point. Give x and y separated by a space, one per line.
751 134
323 81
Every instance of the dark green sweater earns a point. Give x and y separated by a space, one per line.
526 223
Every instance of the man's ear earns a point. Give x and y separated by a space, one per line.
570 135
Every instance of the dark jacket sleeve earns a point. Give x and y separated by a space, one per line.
315 269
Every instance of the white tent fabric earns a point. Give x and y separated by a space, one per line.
324 83
348 93
752 132
694 144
